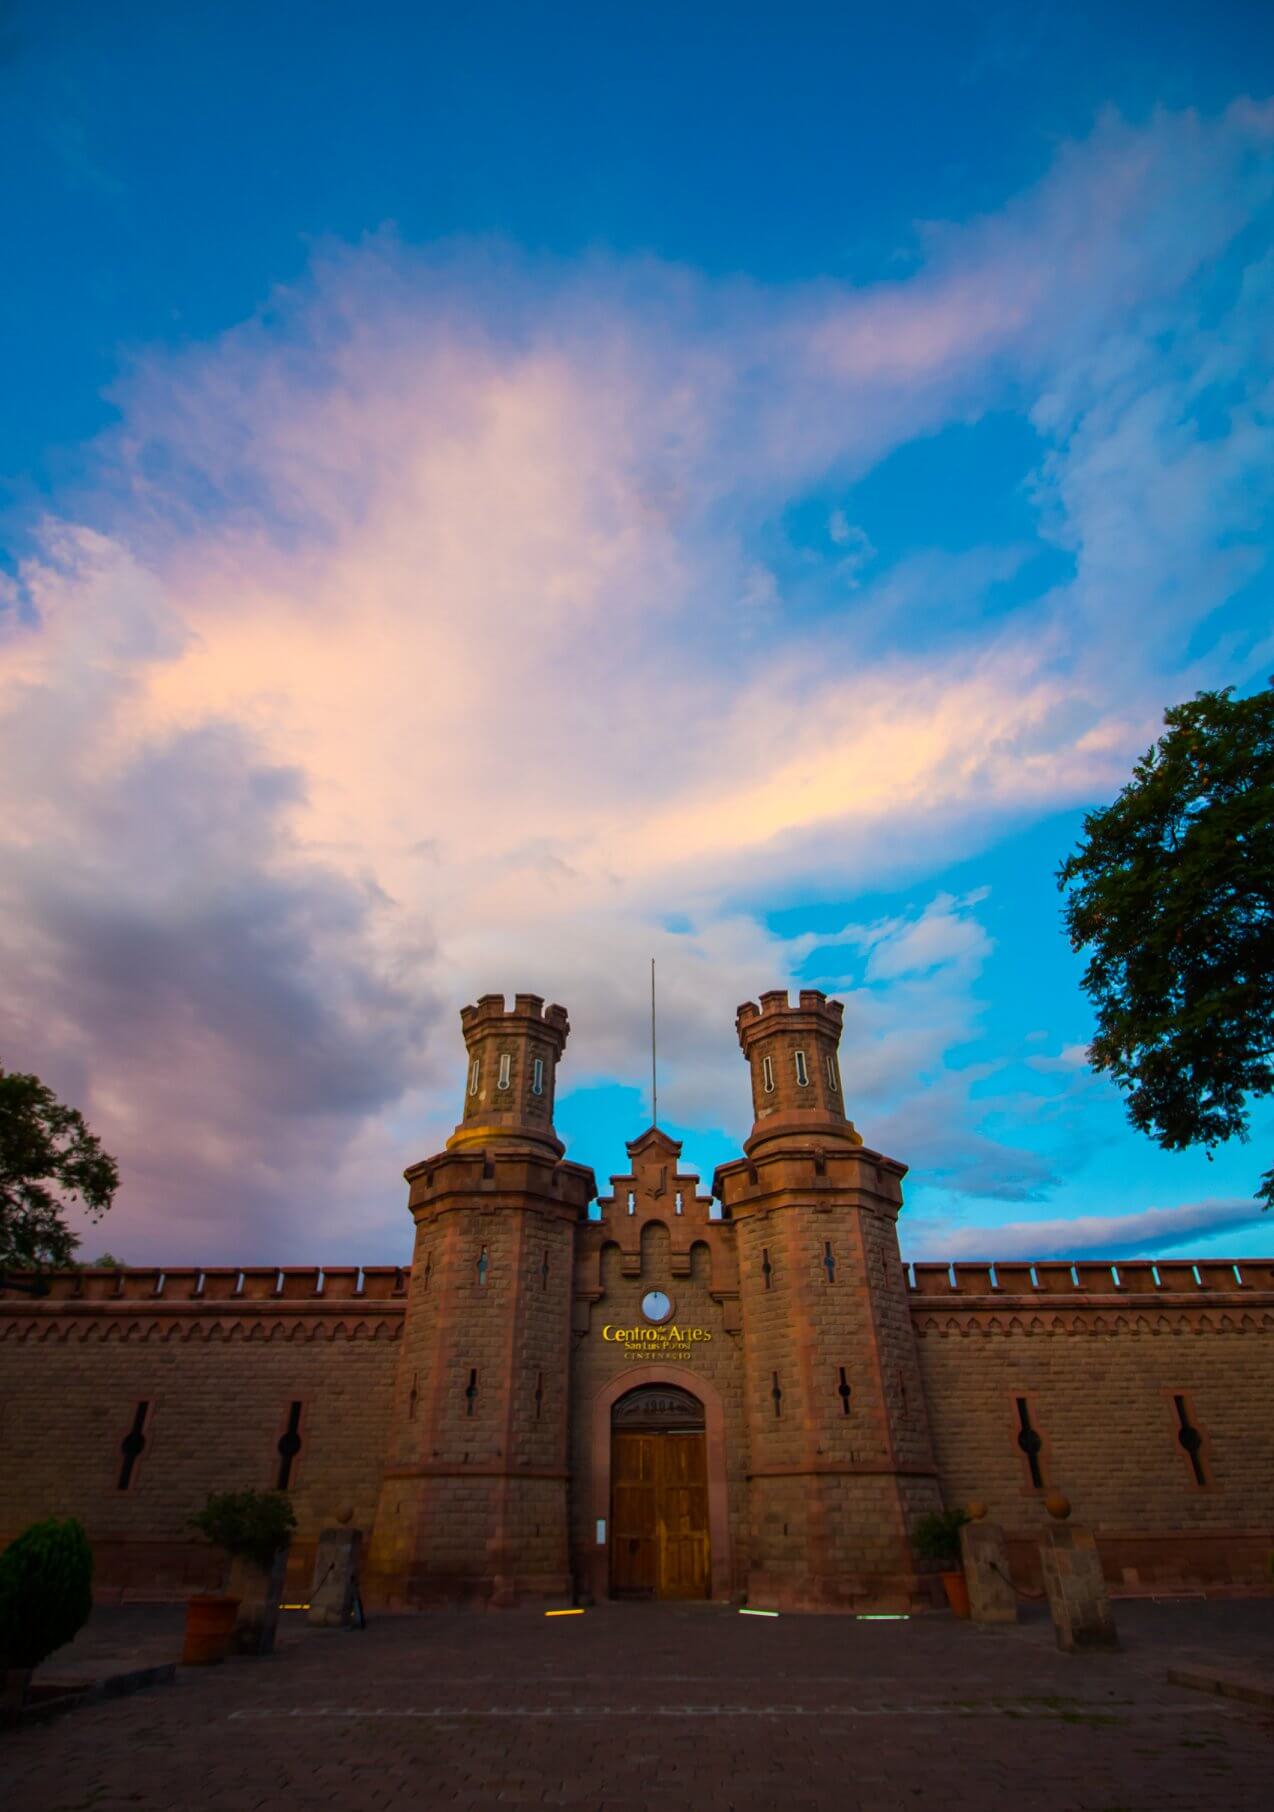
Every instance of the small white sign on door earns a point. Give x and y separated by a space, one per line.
601 1531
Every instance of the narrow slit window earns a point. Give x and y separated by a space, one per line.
413 1396
482 1267
833 1081
425 1274
544 1270
132 1445
506 1065
1029 1442
777 1394
767 1269
1190 1440
680 1202
537 1076
802 1072
843 1391
829 1261
473 1077
539 1394
632 1202
471 1392
289 1446
767 1074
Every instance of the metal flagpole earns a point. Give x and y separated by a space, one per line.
654 1087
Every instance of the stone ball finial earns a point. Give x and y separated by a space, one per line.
345 1514
975 1511
1058 1505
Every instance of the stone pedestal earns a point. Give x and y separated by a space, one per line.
1076 1589
986 1572
334 1592
259 1591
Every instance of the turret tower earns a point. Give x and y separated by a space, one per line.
474 1503
840 1457
792 1054
513 1058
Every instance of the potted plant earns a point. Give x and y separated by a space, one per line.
937 1537
46 1594
253 1528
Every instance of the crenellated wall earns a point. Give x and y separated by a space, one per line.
1098 1354
1103 1369
218 1358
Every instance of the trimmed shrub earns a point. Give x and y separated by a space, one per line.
253 1525
937 1537
46 1590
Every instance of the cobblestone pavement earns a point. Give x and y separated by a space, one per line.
694 1707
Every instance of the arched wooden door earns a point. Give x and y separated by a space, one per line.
659 1544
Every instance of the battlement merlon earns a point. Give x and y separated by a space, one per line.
491 1013
197 1286
812 1012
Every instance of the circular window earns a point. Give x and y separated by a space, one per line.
655 1306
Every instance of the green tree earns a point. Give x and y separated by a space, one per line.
1172 889
42 1142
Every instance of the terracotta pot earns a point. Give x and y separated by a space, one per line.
209 1628
957 1589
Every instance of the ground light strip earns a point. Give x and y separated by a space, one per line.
578 1612
745 1612
883 1617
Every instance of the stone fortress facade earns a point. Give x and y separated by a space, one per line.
737 1395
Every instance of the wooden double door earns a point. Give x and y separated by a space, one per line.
659 1515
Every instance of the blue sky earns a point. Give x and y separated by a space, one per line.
486 499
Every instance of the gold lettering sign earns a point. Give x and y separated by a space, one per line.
671 1342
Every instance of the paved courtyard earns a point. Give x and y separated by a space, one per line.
694 1707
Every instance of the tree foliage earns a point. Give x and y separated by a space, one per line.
253 1524
42 1142
1172 889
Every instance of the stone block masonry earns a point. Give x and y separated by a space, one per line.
127 1409
1140 1391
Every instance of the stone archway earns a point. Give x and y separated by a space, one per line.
679 1379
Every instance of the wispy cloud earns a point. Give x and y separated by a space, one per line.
1135 1235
